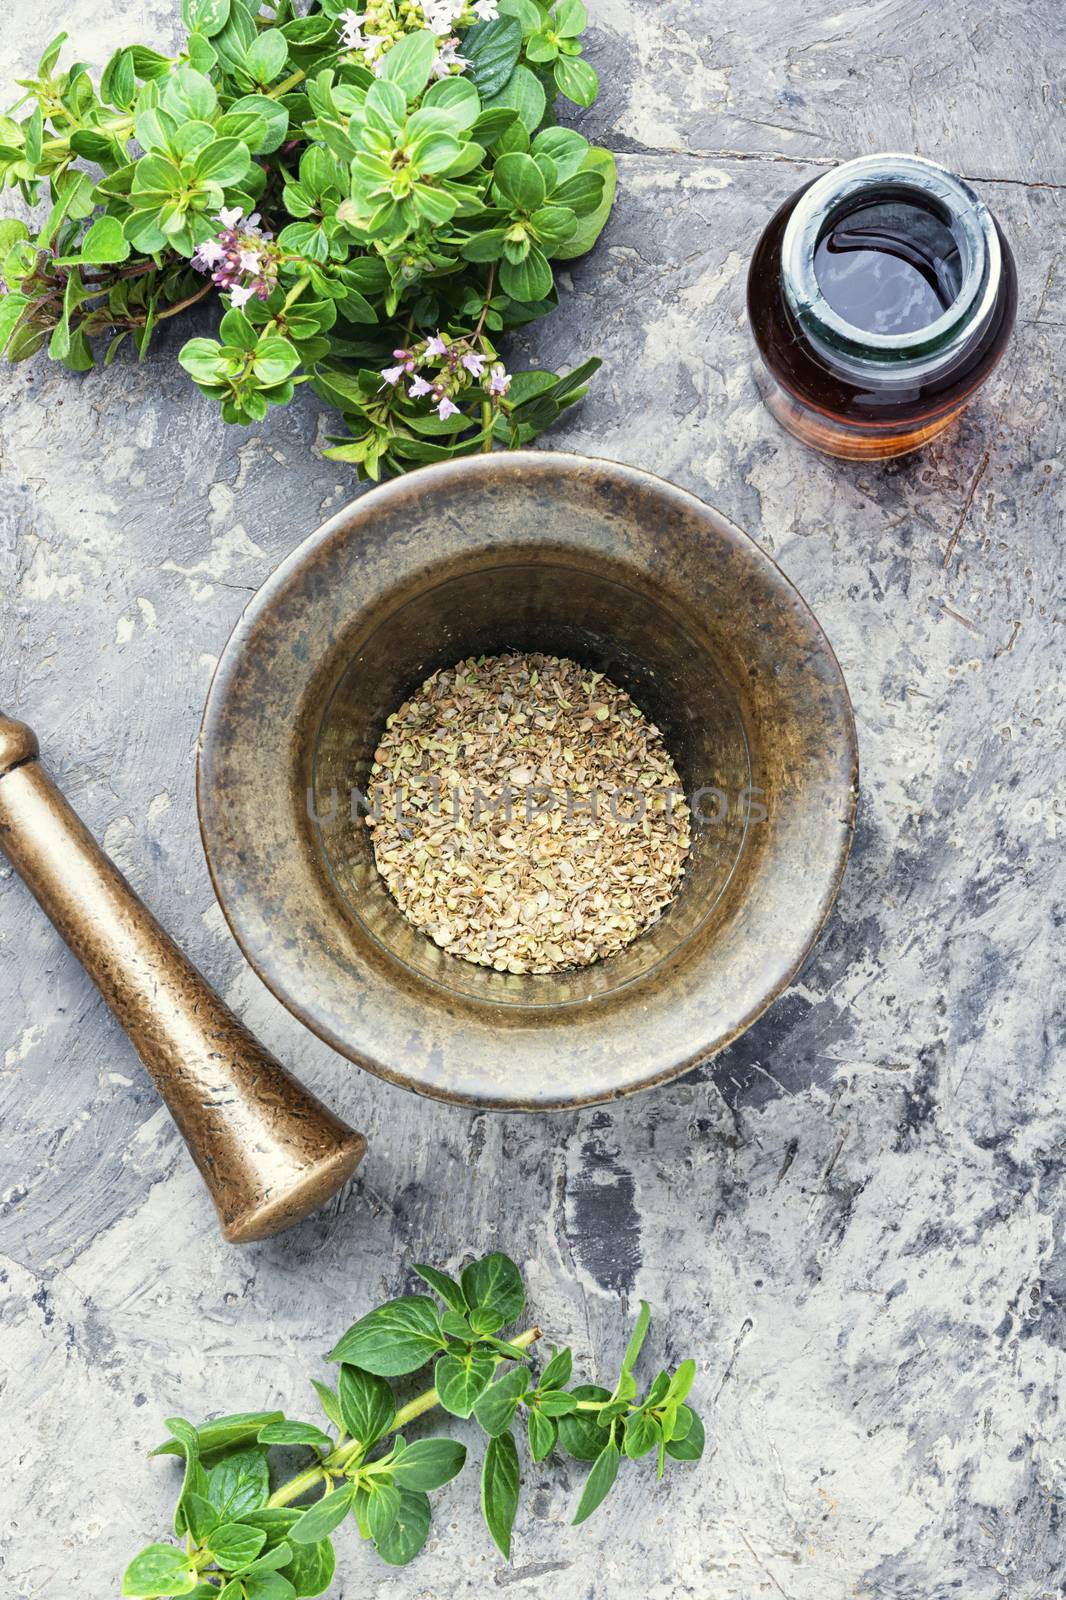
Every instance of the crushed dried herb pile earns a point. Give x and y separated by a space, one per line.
527 815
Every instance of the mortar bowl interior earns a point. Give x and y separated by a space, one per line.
571 557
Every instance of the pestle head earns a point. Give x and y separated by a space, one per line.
18 743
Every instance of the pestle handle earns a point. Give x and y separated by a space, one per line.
268 1150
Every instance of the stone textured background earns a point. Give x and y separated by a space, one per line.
854 1217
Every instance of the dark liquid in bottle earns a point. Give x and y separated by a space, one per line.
889 268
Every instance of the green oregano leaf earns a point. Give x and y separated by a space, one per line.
200 53
361 1511
263 1586
198 1515
591 222
580 1433
557 1403
519 181
499 1489
51 55
636 1339
461 1380
327 1399
160 1569
689 1446
311 1567
429 1463
599 1482
528 280
223 161
659 1391
444 1286
682 1381
495 1409
239 1483
571 18
235 1545
189 94
273 1560
523 92
543 1432
576 80
641 1434
527 13
681 1422
457 1326
221 1433
274 359
398 1337
408 1532
492 48
272 120
513 1352
12 229
564 147
320 1519
266 56
105 242
408 63
366 1403
194 1479
205 16
382 1508
556 1374
493 1287
295 1433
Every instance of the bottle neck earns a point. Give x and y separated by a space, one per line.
922 188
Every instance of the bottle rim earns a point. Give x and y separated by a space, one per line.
938 190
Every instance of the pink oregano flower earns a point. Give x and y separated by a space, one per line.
240 250
351 34
207 255
436 383
441 15
499 380
448 57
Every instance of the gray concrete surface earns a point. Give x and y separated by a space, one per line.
856 1217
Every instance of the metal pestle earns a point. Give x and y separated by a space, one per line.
269 1151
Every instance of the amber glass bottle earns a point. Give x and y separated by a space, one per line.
881 296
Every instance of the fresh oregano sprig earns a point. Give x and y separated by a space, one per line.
377 186
240 1539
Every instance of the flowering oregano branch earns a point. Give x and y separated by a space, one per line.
376 191
241 1535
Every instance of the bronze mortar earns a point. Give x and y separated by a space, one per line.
582 558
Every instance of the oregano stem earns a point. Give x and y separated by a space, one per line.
293 1488
486 299
295 292
172 311
284 86
296 1486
